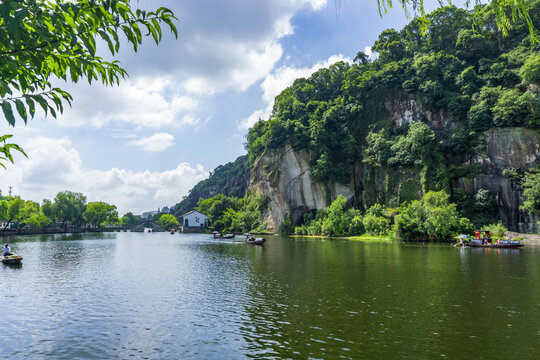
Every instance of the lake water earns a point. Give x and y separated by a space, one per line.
162 296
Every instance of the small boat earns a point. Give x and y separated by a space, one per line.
172 231
217 235
485 241
255 241
497 244
12 259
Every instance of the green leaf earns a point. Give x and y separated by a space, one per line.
21 109
8 112
31 106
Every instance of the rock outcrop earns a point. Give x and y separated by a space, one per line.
283 175
283 178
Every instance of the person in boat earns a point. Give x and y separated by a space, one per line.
7 250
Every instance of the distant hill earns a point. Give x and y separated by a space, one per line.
231 179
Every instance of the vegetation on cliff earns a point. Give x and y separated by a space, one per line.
459 80
230 179
468 71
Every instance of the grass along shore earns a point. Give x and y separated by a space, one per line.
364 237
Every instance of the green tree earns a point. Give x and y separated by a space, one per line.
50 210
13 211
433 218
508 13
168 221
38 220
130 220
42 40
531 192
3 209
530 71
71 207
99 213
29 209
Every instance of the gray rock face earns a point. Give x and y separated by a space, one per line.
283 178
506 148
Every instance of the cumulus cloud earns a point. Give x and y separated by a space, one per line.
53 165
155 143
280 79
144 102
222 45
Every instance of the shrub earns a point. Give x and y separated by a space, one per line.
301 230
432 218
497 229
376 225
356 226
286 227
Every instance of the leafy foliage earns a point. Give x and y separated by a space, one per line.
433 218
69 208
230 179
168 221
233 214
130 220
456 65
43 40
497 229
531 186
507 12
98 213
334 221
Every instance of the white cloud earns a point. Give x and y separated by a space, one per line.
144 102
222 46
252 64
368 51
280 79
53 165
155 143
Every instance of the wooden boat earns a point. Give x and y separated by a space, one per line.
482 238
12 259
219 236
255 241
499 244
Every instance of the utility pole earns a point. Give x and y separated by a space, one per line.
10 188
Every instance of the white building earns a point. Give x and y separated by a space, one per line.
194 219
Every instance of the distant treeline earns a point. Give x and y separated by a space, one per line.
68 210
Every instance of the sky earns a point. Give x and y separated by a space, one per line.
188 103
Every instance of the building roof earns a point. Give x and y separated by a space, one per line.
193 211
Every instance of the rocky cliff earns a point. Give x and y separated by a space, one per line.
283 175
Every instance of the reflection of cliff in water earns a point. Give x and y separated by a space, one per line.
332 299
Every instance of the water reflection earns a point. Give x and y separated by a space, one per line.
190 296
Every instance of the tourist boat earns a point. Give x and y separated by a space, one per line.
12 259
482 238
254 241
217 235
497 244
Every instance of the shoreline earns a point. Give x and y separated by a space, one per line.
382 238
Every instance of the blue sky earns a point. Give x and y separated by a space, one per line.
187 103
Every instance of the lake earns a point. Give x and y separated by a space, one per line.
163 296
